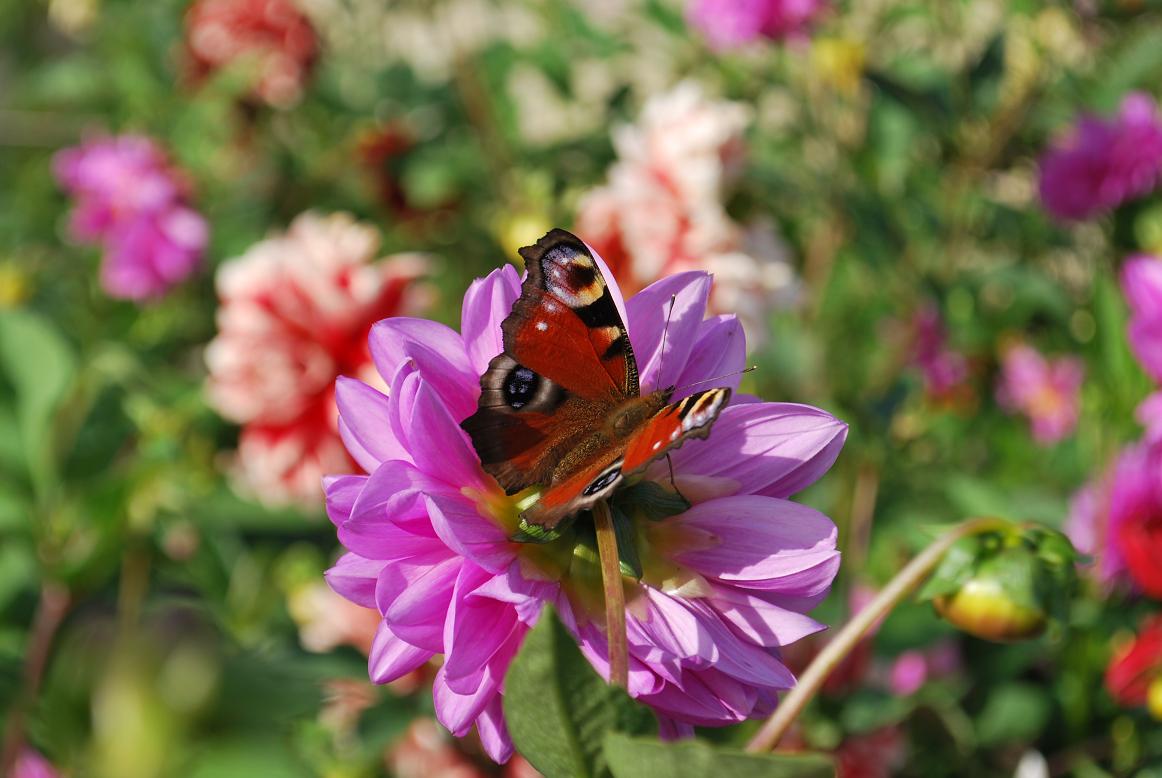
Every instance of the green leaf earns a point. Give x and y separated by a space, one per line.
40 367
1013 713
631 757
559 710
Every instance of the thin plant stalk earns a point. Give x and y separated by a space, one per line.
899 588
614 595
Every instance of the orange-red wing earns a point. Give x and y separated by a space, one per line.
687 418
663 432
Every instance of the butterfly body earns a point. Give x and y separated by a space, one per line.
561 407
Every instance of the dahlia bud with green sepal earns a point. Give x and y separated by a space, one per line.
1006 584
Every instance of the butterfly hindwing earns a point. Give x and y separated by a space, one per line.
661 433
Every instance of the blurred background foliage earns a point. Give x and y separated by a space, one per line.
893 152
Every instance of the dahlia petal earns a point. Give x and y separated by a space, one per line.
487 303
466 532
438 446
474 631
354 577
761 622
366 415
364 458
390 496
671 729
438 352
457 712
414 598
739 659
719 351
341 492
648 312
761 542
391 658
772 449
676 629
493 731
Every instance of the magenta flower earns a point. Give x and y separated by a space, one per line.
132 202
1142 285
727 24
1118 520
724 584
1046 391
1102 163
943 368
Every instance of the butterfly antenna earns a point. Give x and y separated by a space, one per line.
750 369
665 331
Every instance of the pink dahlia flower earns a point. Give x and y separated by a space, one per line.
272 36
663 209
294 315
1142 285
132 201
1046 391
725 583
728 24
1102 163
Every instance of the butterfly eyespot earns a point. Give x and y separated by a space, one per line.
520 387
603 481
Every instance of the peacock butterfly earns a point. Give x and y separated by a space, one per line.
560 408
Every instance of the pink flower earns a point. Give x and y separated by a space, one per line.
272 36
30 764
295 312
728 24
912 669
663 209
131 200
1047 392
1142 285
725 583
1102 163
943 368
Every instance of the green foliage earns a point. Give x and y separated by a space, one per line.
631 757
559 710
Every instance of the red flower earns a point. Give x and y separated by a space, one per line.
1137 666
272 36
294 315
1141 542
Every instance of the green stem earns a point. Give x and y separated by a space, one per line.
614 595
907 581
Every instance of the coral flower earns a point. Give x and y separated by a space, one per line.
1134 675
132 201
1046 391
272 36
1142 286
295 312
1102 163
723 585
728 24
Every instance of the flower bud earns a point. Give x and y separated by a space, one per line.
1004 585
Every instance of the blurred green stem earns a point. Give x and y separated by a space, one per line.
614 595
900 587
50 612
